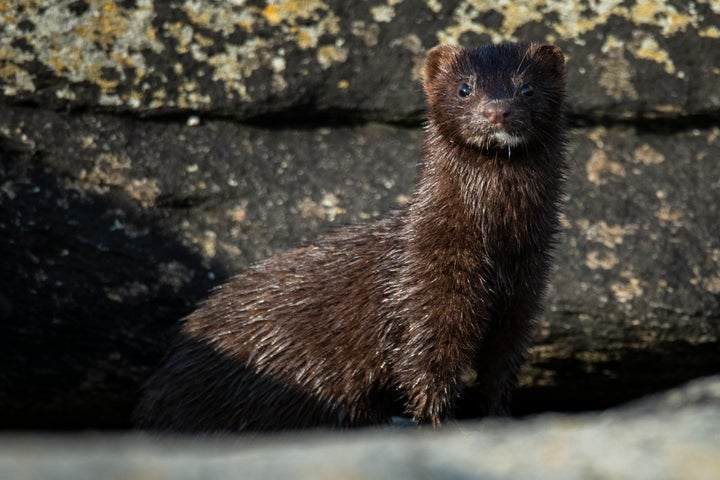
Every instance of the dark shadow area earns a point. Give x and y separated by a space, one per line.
202 389
90 288
635 374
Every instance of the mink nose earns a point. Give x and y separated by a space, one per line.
496 112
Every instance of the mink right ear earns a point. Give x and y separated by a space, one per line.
439 59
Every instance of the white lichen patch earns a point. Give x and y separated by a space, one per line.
144 190
129 290
670 215
301 21
108 40
712 284
600 168
96 46
609 235
574 19
382 13
329 54
327 209
368 32
109 170
208 244
174 274
601 260
616 75
238 214
434 5
647 155
646 47
628 290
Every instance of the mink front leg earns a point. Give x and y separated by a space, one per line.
430 401
432 368
496 367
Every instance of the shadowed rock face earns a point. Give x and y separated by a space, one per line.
119 209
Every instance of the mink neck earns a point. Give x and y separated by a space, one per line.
473 205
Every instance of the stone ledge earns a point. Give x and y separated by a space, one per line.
671 436
360 60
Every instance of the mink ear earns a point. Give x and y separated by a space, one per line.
439 59
552 55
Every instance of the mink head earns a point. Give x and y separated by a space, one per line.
497 97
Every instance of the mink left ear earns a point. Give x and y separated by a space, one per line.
551 54
438 59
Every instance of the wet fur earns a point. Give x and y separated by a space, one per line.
426 313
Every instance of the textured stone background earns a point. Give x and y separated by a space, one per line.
150 149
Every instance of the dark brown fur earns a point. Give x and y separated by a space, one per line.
426 313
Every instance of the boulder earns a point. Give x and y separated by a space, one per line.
674 435
149 150
355 60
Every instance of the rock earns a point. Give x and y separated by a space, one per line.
129 186
112 229
677 442
118 227
636 285
329 57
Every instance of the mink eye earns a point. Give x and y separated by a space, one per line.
527 90
465 90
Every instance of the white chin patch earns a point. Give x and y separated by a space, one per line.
498 139
506 139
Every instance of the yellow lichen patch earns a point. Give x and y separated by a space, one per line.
96 46
660 13
221 17
599 167
104 26
237 63
710 32
273 15
57 64
575 19
182 33
649 49
289 11
330 54
628 290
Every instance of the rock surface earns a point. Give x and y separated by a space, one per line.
249 59
148 150
672 436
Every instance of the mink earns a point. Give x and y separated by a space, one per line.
425 314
